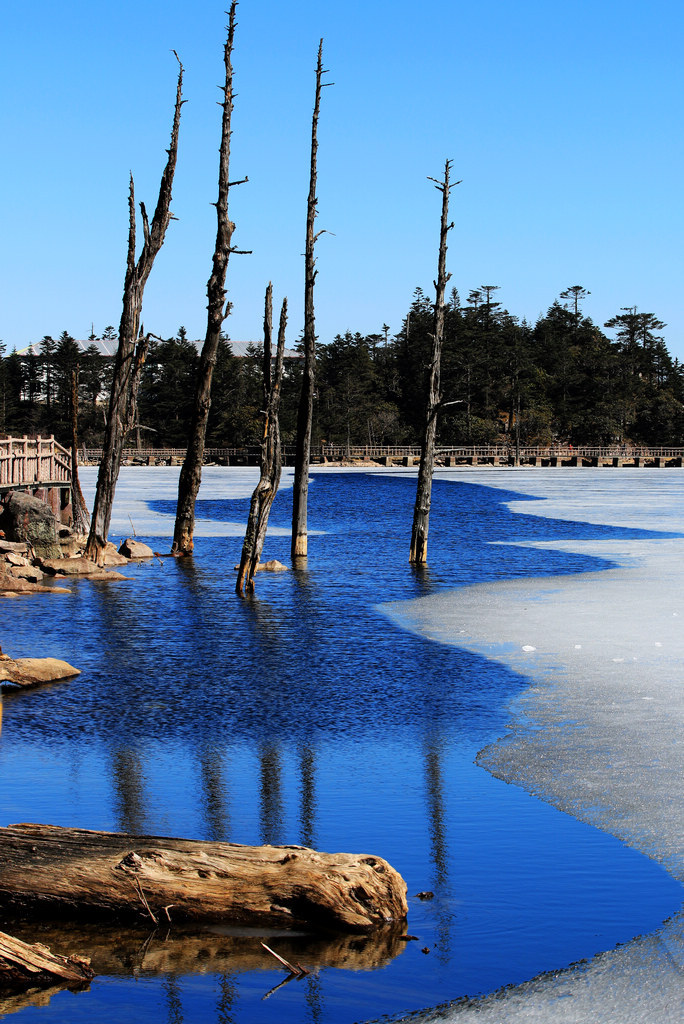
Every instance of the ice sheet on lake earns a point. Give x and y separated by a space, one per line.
599 733
138 485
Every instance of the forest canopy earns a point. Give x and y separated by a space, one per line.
563 378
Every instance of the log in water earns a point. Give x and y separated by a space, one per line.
79 872
23 966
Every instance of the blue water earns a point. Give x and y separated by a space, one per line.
304 715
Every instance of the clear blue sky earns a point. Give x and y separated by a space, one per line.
563 120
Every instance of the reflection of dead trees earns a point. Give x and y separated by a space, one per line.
271 458
214 806
439 847
127 776
271 794
307 765
435 808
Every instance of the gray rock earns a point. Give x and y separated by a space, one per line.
25 518
27 572
68 566
135 549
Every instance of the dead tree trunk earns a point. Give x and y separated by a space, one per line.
305 411
218 309
24 966
76 872
120 411
421 512
271 459
79 509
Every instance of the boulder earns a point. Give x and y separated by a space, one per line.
20 547
135 549
31 671
106 575
27 572
14 585
13 558
72 546
78 566
273 565
112 557
28 519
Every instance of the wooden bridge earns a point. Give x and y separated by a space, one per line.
39 465
408 455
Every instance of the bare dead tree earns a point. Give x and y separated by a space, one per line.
120 412
218 309
79 509
271 458
305 411
421 512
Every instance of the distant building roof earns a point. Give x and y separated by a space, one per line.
108 348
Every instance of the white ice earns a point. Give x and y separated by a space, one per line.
599 732
138 485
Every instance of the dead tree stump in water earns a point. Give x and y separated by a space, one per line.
421 512
271 457
218 310
122 399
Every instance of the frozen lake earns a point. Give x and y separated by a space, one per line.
346 708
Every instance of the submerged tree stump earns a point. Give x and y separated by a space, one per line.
73 872
24 966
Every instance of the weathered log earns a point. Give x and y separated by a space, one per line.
32 671
75 871
23 966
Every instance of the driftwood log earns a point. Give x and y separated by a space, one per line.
23 965
73 872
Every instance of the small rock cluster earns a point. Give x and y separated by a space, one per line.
35 548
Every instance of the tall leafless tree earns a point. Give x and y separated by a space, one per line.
299 547
421 512
218 309
271 458
120 401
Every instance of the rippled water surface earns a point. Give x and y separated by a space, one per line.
304 715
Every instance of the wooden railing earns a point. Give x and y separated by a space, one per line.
29 461
339 452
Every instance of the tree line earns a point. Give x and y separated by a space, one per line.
503 380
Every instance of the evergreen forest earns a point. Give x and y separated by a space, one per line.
503 380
